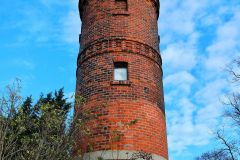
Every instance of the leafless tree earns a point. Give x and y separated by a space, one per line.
9 103
215 155
230 143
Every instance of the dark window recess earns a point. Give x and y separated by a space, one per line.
146 90
120 71
121 5
85 2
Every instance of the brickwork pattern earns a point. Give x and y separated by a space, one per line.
128 115
104 20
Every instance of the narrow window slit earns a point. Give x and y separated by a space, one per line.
121 5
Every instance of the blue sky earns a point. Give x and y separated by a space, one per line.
39 45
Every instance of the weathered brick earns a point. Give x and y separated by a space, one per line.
121 31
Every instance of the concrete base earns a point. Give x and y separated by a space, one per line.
115 155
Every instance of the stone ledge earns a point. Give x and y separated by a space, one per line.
126 13
115 155
122 83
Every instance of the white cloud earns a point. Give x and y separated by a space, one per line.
210 20
182 128
215 63
179 16
179 78
181 83
71 27
198 40
209 115
179 56
191 122
226 46
51 26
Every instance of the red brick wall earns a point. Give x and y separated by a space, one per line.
103 19
130 37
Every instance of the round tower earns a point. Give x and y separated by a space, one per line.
119 74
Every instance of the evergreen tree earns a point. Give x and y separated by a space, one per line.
37 131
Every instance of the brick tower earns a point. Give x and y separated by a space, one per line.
119 74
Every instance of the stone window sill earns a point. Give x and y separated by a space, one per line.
122 83
124 13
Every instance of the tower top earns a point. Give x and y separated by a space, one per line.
82 3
